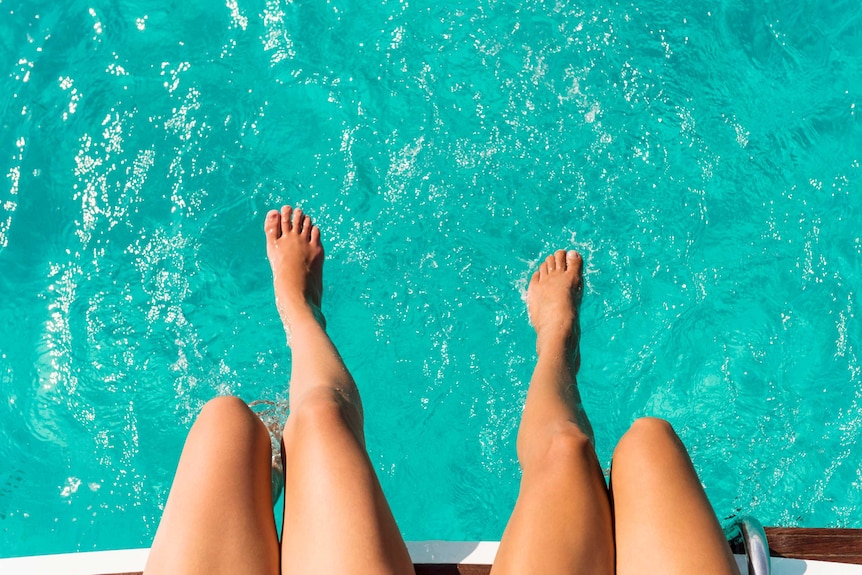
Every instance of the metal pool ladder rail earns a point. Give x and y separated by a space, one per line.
753 537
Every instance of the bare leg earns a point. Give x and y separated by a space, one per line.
336 518
663 520
218 518
561 523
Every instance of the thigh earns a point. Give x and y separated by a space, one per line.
561 523
662 519
218 518
336 518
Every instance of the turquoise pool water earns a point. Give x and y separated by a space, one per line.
705 160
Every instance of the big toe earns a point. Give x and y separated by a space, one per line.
272 225
574 261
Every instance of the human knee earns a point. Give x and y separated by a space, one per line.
227 411
322 409
567 444
229 415
224 407
645 437
649 430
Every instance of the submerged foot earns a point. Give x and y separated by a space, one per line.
553 297
296 256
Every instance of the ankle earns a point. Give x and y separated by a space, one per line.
554 344
297 312
559 335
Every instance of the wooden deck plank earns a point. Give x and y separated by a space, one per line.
839 545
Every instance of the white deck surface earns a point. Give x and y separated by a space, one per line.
481 552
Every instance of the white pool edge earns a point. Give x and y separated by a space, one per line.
470 552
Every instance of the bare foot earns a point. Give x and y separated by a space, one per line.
296 256
553 298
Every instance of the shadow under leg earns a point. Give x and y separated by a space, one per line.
663 520
218 518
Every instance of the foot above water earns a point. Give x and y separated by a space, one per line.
553 298
296 256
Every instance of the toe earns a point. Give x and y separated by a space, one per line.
306 227
560 259
297 220
551 263
315 235
285 219
272 225
574 260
